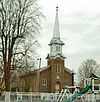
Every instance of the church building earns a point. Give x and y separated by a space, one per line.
55 75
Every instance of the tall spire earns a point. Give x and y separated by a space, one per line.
56 43
56 33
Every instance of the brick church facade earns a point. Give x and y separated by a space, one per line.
55 75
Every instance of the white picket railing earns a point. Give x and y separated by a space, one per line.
43 97
28 97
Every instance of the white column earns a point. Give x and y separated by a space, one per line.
93 85
99 87
84 82
31 96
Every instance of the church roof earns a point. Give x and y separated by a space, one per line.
70 71
43 68
34 72
46 67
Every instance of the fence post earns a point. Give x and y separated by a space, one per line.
31 96
7 96
93 97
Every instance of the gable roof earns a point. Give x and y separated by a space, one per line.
43 68
70 71
93 76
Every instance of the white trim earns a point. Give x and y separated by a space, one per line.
57 56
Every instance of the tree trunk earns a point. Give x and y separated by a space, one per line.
7 76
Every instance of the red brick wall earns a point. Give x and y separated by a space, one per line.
69 78
45 74
51 76
54 74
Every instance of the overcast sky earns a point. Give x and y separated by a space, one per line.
79 29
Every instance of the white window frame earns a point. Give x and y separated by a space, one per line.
58 68
44 85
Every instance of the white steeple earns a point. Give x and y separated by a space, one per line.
56 43
56 33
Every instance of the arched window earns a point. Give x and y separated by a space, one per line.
57 87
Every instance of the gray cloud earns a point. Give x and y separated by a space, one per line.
82 34
79 31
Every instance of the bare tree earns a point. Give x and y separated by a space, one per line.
87 68
19 23
2 86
